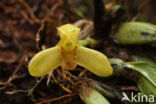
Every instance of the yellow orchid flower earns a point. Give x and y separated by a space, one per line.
68 54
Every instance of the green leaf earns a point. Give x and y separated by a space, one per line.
117 65
146 86
146 60
136 33
144 66
145 69
83 42
106 90
91 96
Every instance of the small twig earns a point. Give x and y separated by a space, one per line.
82 73
58 98
61 85
13 76
87 28
2 88
30 91
13 33
64 76
38 35
29 10
49 77
142 5
37 83
26 17
16 91
40 29
8 82
71 75
132 88
19 65
8 9
54 7
49 13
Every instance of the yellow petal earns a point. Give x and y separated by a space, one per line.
45 61
94 61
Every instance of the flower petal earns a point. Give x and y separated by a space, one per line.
45 61
94 61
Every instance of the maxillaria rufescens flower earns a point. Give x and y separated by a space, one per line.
68 54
